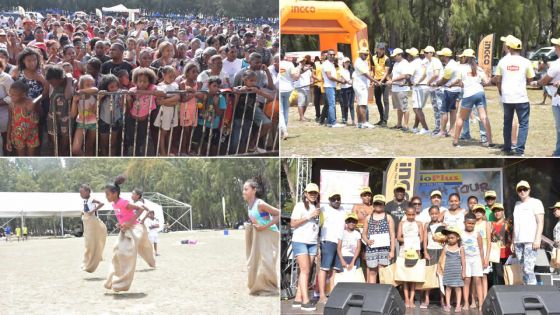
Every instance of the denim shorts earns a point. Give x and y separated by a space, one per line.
304 249
477 100
347 259
449 101
328 255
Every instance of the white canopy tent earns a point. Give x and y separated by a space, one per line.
122 9
48 204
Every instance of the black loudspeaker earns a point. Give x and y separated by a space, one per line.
522 299
365 299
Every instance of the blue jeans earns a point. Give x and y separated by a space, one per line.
329 93
285 105
556 112
347 103
523 110
474 102
304 249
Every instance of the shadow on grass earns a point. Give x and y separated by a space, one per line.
127 296
94 279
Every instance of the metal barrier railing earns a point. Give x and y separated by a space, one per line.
205 130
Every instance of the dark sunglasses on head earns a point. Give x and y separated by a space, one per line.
524 189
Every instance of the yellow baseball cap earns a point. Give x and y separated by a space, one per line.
555 41
379 199
452 229
445 52
396 51
410 257
513 42
412 51
489 194
467 53
556 205
505 38
497 206
351 215
435 192
400 186
311 187
478 207
333 193
365 190
429 49
363 51
522 183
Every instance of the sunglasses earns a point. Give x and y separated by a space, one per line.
524 189
335 199
331 55
416 204
351 222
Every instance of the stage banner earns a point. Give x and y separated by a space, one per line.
401 170
348 184
485 53
466 182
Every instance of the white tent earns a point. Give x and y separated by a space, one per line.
119 9
48 204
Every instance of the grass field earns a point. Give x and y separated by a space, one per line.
312 140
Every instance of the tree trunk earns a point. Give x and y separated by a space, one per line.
286 168
553 18
541 22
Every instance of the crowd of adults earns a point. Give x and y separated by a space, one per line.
376 231
57 56
453 82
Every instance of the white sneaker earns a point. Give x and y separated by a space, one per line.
368 125
423 132
337 125
415 130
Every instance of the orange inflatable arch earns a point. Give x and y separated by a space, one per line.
332 21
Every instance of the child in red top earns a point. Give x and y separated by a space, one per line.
23 122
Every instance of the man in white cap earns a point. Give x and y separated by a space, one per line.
514 125
452 90
329 83
528 218
419 90
400 88
434 73
361 82
552 81
513 73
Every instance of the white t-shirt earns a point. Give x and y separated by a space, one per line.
515 70
307 232
205 75
345 74
419 67
554 73
471 84
231 67
456 220
333 223
285 76
274 75
349 242
360 68
431 231
400 68
149 222
328 66
424 216
304 81
433 66
524 221
90 204
451 72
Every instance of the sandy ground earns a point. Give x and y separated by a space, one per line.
312 140
43 276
